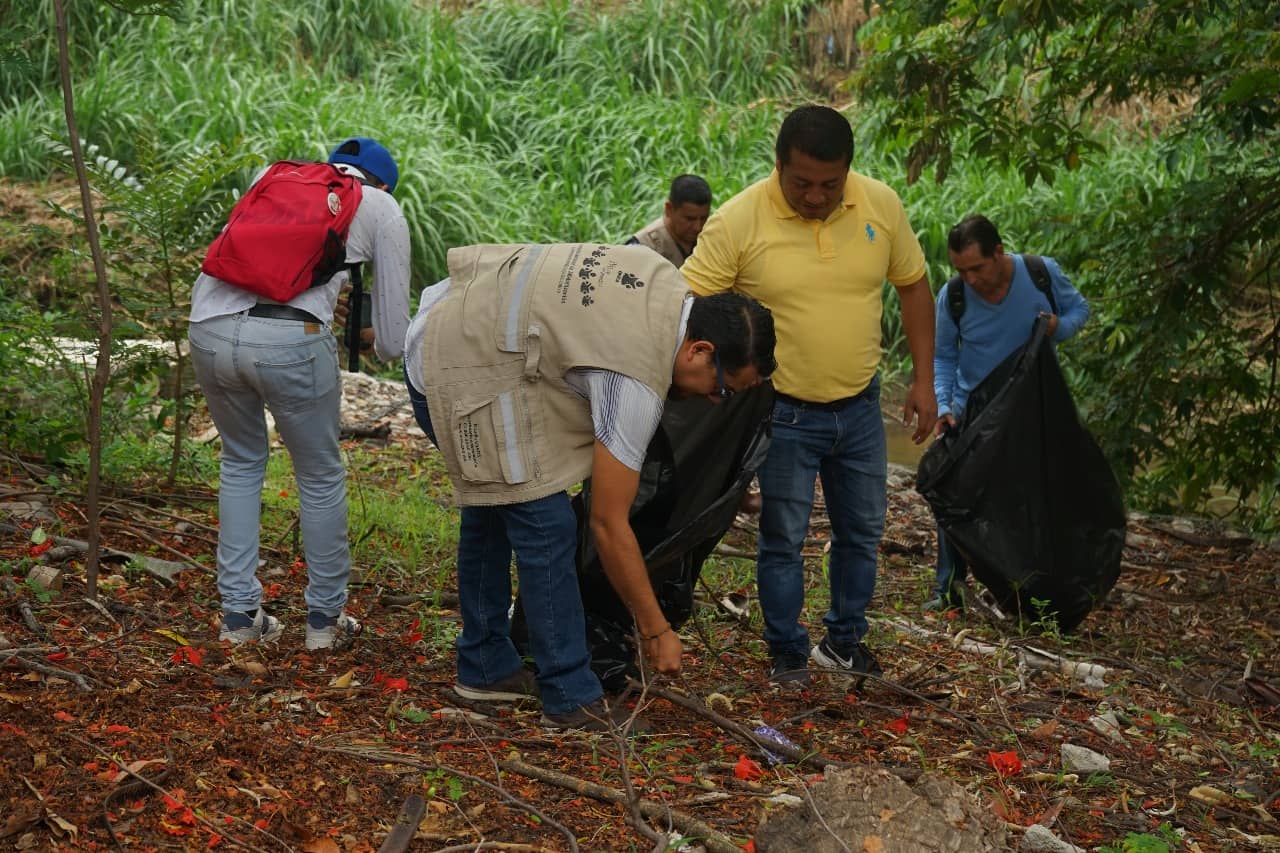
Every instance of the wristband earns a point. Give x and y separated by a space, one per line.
647 637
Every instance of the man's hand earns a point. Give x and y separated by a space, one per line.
923 406
945 422
341 309
1053 323
663 652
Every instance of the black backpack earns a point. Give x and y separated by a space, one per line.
1039 276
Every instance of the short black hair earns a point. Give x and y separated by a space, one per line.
974 228
740 328
689 189
818 131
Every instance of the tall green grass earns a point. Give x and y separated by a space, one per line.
513 121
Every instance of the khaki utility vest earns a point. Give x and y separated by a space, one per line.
497 347
656 236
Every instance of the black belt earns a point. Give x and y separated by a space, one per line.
282 312
833 406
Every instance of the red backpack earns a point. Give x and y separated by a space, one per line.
289 232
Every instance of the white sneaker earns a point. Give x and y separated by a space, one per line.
337 634
237 628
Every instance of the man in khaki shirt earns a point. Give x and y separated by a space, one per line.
674 234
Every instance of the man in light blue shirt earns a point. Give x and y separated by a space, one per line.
979 328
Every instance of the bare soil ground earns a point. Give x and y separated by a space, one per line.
127 725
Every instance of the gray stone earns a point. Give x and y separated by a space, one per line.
1082 760
869 808
1039 839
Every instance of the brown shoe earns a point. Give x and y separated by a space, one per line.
750 503
596 717
516 686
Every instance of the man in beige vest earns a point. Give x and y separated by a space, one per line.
533 367
674 234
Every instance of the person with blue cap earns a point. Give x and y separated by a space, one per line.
254 354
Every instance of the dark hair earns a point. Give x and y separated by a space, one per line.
689 189
740 328
974 228
820 132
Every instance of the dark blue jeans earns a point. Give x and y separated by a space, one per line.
543 534
846 448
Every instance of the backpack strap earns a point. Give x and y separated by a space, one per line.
1040 277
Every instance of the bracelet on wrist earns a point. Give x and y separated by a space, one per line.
647 637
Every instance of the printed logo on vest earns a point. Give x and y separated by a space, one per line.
871 233
335 203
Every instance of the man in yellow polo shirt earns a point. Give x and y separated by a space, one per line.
814 242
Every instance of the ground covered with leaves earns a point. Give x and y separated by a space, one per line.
125 724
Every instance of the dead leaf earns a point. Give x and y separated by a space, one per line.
872 844
251 667
170 635
321 845
17 823
1045 730
345 680
1211 795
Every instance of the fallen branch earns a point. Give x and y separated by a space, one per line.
1092 674
28 616
14 656
405 827
689 826
165 570
815 760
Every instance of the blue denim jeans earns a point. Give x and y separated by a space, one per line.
245 364
952 567
543 534
846 448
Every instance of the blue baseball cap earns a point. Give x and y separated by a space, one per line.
370 157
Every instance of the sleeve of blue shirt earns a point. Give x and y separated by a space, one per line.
946 354
1073 308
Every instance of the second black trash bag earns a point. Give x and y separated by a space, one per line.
1024 492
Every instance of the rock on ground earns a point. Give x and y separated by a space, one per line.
870 809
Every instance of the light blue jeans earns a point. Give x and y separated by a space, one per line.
846 448
245 364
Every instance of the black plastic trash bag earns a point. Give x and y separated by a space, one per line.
1024 493
696 470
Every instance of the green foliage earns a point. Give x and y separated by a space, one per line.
1164 841
1177 372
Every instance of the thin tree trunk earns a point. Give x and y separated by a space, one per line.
97 388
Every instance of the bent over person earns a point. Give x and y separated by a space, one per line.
252 352
532 368
984 314
815 242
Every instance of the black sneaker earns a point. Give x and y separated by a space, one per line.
789 671
595 717
516 686
858 660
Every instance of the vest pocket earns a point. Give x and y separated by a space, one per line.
491 438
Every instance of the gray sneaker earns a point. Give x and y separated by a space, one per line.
331 632
516 686
238 627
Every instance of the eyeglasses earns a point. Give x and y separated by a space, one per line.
723 391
